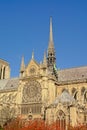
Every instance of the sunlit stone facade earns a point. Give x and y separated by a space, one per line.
42 91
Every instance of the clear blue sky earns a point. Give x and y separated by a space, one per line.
24 26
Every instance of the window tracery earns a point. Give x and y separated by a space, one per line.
61 120
32 92
32 97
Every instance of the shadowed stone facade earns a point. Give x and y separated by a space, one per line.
42 91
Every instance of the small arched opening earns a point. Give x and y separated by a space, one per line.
64 89
4 73
75 93
75 96
1 73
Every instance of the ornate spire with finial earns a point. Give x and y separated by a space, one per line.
51 59
22 68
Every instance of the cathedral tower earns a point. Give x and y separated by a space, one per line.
4 70
51 59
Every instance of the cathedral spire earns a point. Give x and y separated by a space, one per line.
51 44
51 59
22 68
51 33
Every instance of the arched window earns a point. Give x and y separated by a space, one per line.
32 95
1 73
82 90
75 95
84 94
73 90
61 120
4 73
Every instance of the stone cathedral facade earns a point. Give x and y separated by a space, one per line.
43 91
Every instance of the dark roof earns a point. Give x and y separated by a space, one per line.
9 84
64 98
72 74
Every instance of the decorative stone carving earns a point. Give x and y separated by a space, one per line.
32 70
32 92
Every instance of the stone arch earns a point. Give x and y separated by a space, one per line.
82 90
84 94
73 90
64 89
75 93
60 120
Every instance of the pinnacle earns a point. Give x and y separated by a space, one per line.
33 55
44 59
22 65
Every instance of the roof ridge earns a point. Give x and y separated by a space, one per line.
73 68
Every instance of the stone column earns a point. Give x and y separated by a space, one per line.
73 116
7 72
2 72
67 121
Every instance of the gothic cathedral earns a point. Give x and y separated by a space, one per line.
43 91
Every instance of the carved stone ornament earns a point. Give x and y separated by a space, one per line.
32 70
32 92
